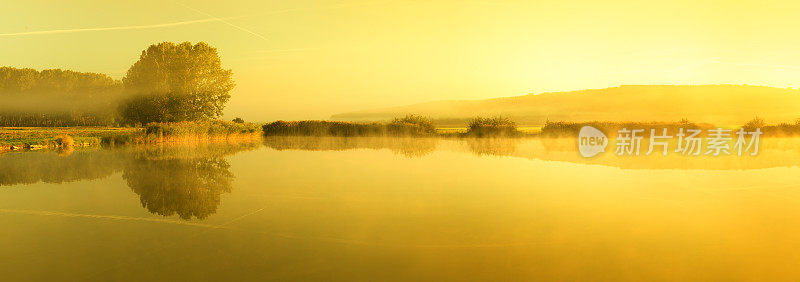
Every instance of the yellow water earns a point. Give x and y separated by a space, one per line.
375 209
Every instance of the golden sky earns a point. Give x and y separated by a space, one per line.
311 59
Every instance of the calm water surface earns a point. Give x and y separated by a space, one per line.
376 209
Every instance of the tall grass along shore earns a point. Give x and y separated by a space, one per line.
34 138
570 129
162 132
410 125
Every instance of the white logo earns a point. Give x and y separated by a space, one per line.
591 141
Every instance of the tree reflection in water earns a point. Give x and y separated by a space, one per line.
188 187
55 167
410 147
493 146
189 179
183 180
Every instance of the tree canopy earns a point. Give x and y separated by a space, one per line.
176 82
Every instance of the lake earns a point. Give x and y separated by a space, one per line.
377 209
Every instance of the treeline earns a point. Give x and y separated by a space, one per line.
169 83
57 98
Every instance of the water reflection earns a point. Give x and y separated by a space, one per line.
773 152
188 187
169 179
459 207
52 167
184 180
493 146
408 147
189 180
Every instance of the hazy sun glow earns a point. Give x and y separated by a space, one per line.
311 59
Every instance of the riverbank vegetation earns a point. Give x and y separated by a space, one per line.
33 138
492 127
781 129
186 132
410 125
41 137
571 129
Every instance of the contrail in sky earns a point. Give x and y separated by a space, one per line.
211 18
225 21
132 27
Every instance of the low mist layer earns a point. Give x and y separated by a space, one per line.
715 104
57 97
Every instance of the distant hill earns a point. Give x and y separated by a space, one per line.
716 104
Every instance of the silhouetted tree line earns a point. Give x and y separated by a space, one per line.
170 83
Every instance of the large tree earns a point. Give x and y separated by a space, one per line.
177 82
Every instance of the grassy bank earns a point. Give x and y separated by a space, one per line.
33 138
410 125
571 129
186 132
48 137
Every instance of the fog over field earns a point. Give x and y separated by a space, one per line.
715 104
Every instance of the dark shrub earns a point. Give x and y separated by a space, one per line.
492 127
411 125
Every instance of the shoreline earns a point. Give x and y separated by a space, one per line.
20 139
49 138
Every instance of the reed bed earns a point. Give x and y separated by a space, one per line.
492 127
571 129
187 132
410 125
